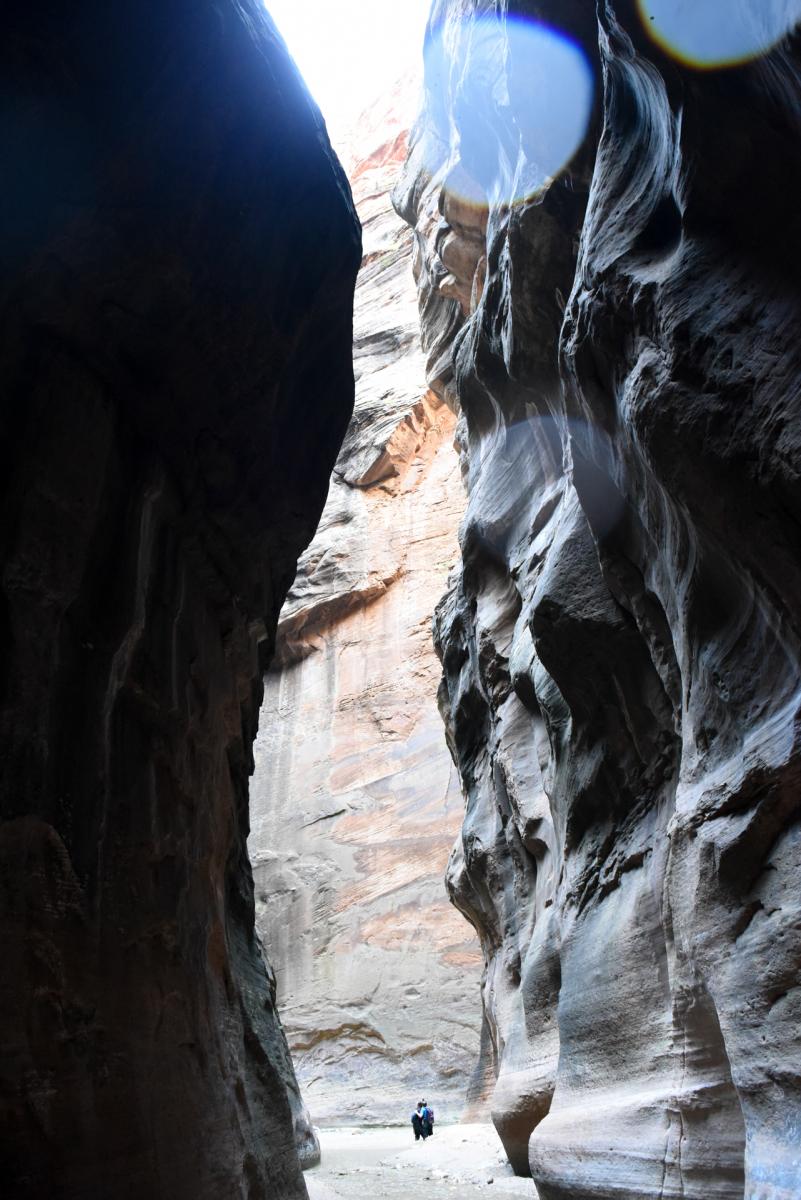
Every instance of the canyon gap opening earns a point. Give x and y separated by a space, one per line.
355 803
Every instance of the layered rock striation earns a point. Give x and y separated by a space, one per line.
355 802
620 648
179 255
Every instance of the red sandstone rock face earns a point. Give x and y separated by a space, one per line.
355 800
175 353
621 648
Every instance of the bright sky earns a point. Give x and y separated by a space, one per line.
350 51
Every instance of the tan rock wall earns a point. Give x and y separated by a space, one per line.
355 801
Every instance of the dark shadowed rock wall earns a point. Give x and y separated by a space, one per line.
179 250
621 649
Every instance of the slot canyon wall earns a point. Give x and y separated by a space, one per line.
355 802
179 255
620 648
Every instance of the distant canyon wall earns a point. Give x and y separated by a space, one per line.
355 802
179 253
620 646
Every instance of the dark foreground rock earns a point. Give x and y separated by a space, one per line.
179 250
621 649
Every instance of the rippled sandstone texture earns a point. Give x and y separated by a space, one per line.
355 802
179 258
621 649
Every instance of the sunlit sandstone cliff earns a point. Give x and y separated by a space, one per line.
179 251
355 802
621 646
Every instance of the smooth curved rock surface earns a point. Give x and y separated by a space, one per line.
355 802
179 255
621 648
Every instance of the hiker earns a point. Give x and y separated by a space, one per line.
417 1124
427 1117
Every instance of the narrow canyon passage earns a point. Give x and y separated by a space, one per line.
355 803
620 673
400 652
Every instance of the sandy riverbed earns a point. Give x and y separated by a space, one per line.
387 1164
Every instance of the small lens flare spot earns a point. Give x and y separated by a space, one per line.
522 104
532 446
718 33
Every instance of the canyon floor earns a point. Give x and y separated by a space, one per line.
387 1164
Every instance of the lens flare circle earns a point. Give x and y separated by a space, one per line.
521 107
707 34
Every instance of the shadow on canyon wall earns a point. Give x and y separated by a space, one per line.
179 255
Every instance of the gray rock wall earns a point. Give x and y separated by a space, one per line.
621 649
179 254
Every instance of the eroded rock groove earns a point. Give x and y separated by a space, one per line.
621 648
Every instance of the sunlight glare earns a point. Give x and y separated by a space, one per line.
351 52
539 82
718 33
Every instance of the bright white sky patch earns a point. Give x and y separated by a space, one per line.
351 51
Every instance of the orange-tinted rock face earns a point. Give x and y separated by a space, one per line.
355 800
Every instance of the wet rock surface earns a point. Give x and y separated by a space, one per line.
355 802
179 257
621 648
